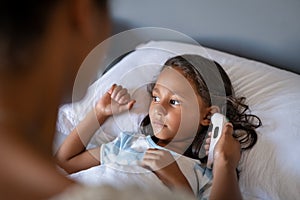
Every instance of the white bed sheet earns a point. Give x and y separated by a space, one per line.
271 170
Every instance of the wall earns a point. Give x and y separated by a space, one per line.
264 30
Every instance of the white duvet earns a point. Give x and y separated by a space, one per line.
135 175
270 170
118 177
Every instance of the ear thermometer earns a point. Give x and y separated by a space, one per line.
218 121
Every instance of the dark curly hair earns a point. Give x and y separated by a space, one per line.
214 86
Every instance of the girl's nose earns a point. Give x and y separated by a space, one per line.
159 110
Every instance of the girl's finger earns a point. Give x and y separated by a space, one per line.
111 89
151 151
115 92
120 94
145 163
124 99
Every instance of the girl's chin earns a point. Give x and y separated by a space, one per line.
158 135
161 136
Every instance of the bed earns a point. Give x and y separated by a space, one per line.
270 170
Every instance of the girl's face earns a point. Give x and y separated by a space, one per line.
176 109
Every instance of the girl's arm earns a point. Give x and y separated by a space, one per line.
226 158
162 163
73 156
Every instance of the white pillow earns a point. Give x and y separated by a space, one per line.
270 170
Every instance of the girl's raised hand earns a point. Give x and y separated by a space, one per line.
114 101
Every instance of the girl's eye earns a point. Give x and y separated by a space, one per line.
155 99
174 102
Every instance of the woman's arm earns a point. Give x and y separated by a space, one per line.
73 156
226 158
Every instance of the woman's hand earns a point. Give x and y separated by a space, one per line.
114 101
227 154
228 149
163 164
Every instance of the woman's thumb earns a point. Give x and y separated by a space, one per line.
228 128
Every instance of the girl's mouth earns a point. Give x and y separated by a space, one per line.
157 126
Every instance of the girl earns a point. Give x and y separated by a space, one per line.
188 91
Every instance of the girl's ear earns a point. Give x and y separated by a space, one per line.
209 112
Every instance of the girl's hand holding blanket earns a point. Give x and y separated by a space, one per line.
163 164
